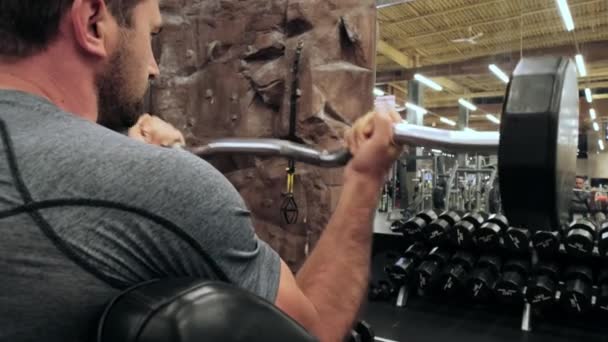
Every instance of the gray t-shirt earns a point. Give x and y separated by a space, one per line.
86 212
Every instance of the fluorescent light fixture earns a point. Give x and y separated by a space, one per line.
592 114
588 95
447 121
499 73
601 143
389 3
596 127
378 92
416 108
467 129
580 64
564 10
467 104
493 118
437 151
428 82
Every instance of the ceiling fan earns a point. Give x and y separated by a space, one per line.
471 39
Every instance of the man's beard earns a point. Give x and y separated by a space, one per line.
117 109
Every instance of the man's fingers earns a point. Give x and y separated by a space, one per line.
383 126
396 117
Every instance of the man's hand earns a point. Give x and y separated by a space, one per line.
370 141
152 130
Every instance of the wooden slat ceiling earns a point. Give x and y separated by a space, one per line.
423 32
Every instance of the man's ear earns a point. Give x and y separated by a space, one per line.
93 26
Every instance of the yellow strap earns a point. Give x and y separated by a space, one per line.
290 182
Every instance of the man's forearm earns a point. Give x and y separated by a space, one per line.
335 276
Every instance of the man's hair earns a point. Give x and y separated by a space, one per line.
28 26
580 177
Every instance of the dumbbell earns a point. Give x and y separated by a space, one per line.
517 240
381 292
602 296
353 336
546 243
453 277
481 283
488 235
436 233
365 331
412 228
543 286
580 238
462 234
602 239
430 268
397 226
402 270
509 288
578 291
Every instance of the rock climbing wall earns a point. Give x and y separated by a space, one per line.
226 71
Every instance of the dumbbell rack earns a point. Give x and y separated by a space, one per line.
552 308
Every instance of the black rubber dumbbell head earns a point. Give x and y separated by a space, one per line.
546 243
577 294
543 286
602 284
602 239
517 240
437 231
397 226
428 216
476 218
580 238
481 283
413 227
402 270
453 278
429 269
463 233
509 288
416 251
488 235
365 330
452 217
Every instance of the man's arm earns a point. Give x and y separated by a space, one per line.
327 293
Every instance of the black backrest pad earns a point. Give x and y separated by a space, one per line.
187 310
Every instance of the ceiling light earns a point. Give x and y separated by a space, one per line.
437 151
564 10
467 104
493 118
447 121
378 92
389 3
499 73
596 127
416 108
588 95
428 82
601 143
592 114
580 63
